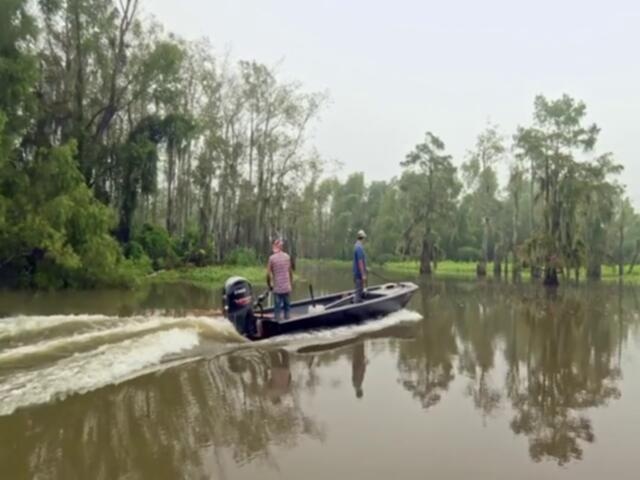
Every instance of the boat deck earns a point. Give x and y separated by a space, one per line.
327 303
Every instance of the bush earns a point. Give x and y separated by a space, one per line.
242 256
468 254
56 234
384 258
134 251
191 251
158 246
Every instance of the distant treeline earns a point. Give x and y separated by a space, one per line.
125 149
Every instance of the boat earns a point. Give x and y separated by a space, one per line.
255 321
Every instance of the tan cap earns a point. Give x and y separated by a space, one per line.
362 234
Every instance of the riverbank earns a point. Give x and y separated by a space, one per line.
209 277
465 270
468 270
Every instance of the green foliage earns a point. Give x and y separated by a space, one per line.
56 232
18 70
158 246
242 256
468 254
192 250
430 187
212 276
576 197
115 95
134 251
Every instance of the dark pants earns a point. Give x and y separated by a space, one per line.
359 290
281 302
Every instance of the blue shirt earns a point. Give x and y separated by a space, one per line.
358 254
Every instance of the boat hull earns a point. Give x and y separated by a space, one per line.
381 301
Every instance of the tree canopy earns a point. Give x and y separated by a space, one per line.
126 147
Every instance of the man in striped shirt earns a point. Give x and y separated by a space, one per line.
279 279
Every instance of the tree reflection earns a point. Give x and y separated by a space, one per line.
358 368
181 424
549 356
563 363
478 326
426 364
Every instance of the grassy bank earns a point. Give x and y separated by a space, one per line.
468 270
450 268
210 277
215 276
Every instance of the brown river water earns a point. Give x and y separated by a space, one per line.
474 380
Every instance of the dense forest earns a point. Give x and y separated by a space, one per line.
124 149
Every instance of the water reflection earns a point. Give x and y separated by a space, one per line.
426 366
181 424
358 368
545 358
564 360
525 361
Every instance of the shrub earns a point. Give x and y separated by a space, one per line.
468 254
190 249
242 256
158 246
134 251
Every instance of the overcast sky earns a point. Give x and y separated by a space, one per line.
395 69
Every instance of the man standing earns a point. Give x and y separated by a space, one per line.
279 279
359 266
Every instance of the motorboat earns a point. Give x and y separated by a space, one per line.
255 321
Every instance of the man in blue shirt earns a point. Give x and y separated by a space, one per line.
359 267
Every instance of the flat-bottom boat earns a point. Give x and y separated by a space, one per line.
256 322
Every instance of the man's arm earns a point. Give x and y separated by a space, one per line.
363 272
269 275
362 267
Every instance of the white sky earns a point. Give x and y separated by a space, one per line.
396 69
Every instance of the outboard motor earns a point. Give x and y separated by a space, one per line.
237 297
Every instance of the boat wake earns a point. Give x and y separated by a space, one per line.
299 341
47 358
43 359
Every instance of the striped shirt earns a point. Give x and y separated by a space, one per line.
279 266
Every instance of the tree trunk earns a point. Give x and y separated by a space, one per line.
515 269
425 256
171 169
79 130
536 271
621 249
532 225
635 257
481 268
497 260
594 270
551 276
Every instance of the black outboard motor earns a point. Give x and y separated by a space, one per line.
237 297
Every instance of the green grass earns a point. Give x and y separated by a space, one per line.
323 262
211 277
450 268
468 270
447 268
610 273
215 276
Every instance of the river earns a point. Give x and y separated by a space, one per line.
475 379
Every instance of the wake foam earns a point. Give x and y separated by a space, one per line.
117 329
296 341
24 324
108 364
